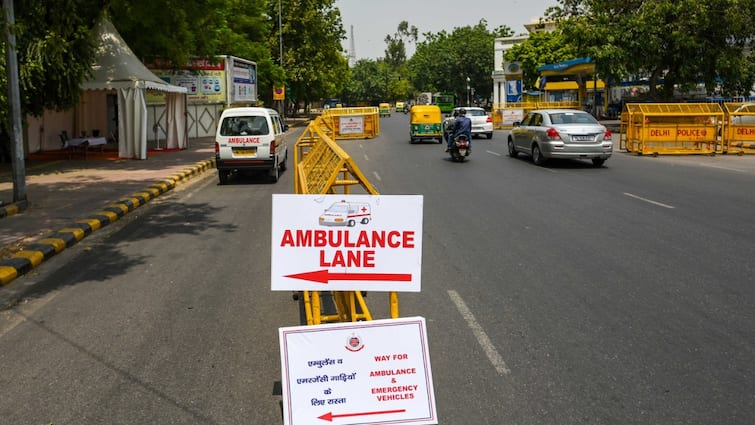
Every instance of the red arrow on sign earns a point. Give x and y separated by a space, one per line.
324 276
330 416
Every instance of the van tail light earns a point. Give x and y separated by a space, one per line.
607 135
272 149
552 134
217 148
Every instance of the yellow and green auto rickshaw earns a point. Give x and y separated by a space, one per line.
384 110
426 123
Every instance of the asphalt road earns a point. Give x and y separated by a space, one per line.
564 294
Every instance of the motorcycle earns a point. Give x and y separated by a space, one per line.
406 110
459 148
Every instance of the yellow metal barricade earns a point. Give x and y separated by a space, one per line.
353 123
504 116
672 128
323 167
739 132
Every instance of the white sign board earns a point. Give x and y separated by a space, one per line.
346 243
351 124
357 373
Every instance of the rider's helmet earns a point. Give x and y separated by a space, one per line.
456 113
462 112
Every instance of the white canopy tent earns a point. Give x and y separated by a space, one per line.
117 68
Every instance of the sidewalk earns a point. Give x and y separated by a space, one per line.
66 198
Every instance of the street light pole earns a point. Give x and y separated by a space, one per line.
280 59
467 91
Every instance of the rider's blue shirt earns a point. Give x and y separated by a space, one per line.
463 125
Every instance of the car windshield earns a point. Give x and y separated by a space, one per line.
572 118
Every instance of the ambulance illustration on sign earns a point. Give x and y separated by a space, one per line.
346 214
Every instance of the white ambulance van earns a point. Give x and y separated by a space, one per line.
250 138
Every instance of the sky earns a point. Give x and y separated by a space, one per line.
374 19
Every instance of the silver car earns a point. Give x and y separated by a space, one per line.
561 133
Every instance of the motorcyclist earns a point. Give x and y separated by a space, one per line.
462 125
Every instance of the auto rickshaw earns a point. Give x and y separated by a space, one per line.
426 123
384 110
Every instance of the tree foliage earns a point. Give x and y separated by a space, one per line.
395 52
313 58
539 49
680 42
444 61
54 49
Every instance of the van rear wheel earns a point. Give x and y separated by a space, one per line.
223 176
275 173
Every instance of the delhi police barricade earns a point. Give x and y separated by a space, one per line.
352 123
739 131
323 167
505 115
672 128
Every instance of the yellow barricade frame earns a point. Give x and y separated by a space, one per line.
369 117
672 128
323 167
526 107
739 133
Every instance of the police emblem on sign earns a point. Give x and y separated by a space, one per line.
354 343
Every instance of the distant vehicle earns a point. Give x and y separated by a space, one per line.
560 133
331 103
384 110
445 101
399 106
425 123
482 123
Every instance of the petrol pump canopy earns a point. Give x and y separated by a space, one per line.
579 66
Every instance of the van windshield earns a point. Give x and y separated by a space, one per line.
245 126
338 208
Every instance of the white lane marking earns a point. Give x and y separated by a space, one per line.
377 176
650 201
482 337
493 153
366 158
722 168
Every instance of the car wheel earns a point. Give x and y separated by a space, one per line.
598 162
284 164
351 223
489 135
275 173
537 155
223 176
512 149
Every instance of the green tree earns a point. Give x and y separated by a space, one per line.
55 49
444 61
539 49
240 28
680 42
313 59
395 52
